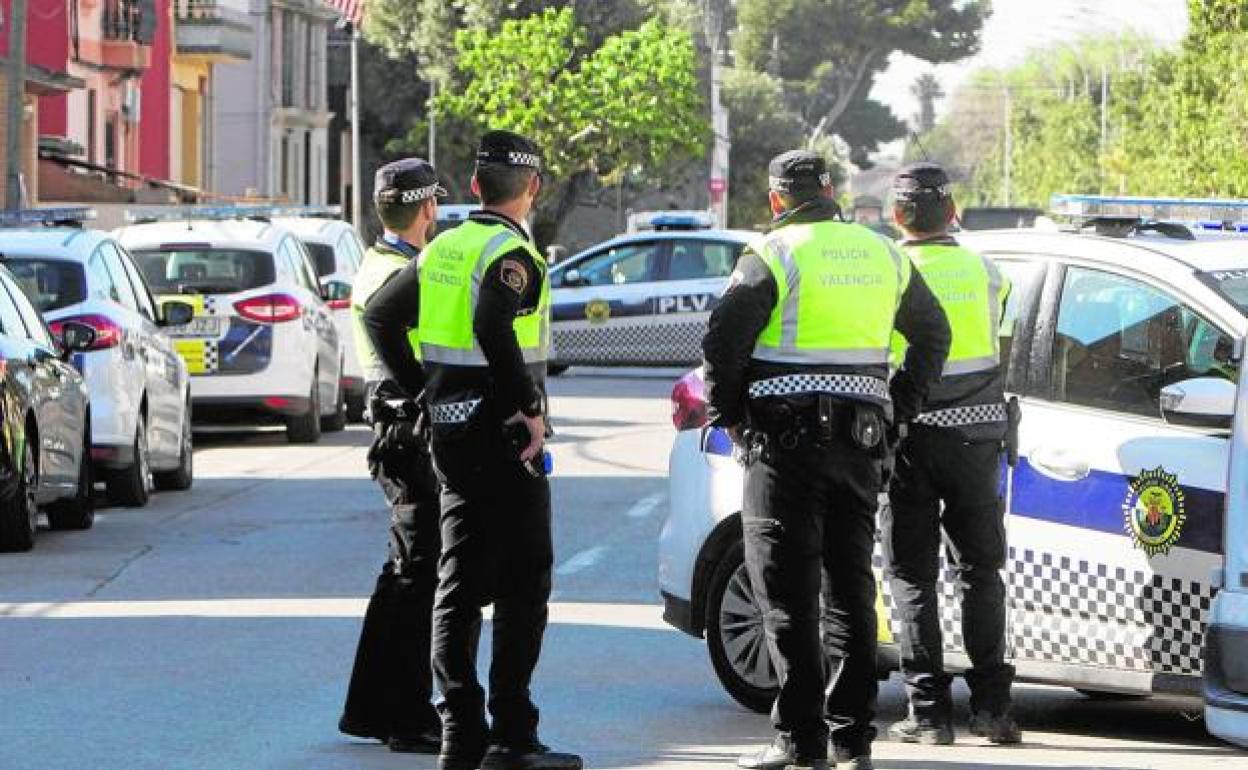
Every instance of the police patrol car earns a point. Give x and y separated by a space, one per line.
263 343
642 298
1123 339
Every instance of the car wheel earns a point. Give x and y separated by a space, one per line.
338 420
1110 697
306 428
132 486
19 515
735 637
182 477
78 512
554 370
355 407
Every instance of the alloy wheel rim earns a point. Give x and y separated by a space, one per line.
145 469
741 631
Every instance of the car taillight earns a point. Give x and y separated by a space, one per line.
107 332
689 402
269 308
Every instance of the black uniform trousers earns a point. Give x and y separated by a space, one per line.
496 549
935 466
392 681
810 510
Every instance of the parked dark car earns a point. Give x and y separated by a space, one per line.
45 430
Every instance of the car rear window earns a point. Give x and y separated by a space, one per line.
205 271
323 256
51 284
1231 284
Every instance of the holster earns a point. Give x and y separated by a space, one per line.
1014 415
789 422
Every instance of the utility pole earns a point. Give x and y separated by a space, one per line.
357 213
1104 108
1007 161
717 185
16 112
433 125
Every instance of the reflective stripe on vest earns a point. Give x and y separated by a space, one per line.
971 291
375 270
839 286
451 270
961 416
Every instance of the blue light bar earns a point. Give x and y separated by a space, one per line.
1201 212
321 212
50 216
226 212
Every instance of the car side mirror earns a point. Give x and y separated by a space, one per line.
1202 402
76 337
573 277
176 313
325 292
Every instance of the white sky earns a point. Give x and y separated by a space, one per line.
1017 26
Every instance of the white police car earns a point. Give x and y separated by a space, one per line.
337 253
263 344
642 298
1124 346
140 391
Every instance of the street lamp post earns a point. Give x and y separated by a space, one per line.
15 114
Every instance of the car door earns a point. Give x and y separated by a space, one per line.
135 352
1116 516
58 398
693 278
320 320
163 375
604 305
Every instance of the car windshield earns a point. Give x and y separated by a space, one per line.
1231 284
205 271
323 256
51 284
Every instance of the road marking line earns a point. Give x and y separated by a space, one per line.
645 616
646 506
582 561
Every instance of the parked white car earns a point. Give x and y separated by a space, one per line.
140 391
1124 347
337 253
263 345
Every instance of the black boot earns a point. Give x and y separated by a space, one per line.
356 728
997 728
428 741
529 755
782 754
928 733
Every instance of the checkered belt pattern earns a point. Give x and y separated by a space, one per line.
959 416
832 384
455 413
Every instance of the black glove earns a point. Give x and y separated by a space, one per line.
906 398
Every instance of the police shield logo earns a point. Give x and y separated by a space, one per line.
1154 511
597 311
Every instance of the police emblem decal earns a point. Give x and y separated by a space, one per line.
597 311
1154 511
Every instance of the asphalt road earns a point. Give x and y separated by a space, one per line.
215 628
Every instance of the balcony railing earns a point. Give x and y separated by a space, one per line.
218 29
209 10
131 21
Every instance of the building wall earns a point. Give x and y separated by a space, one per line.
47 45
155 87
29 144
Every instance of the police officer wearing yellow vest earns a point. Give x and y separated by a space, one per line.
390 694
480 298
948 478
797 369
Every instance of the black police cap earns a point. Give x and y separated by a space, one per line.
921 179
507 148
410 180
798 172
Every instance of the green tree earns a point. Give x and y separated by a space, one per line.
629 106
926 90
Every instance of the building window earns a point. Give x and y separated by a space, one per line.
285 165
288 60
92 135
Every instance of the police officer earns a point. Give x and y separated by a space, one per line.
947 478
389 696
481 300
797 370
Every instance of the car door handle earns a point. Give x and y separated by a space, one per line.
1060 465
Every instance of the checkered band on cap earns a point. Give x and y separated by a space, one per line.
455 413
959 416
524 159
831 384
421 193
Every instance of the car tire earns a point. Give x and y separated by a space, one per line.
355 407
554 370
132 486
734 635
306 428
338 420
183 477
77 512
1105 696
19 514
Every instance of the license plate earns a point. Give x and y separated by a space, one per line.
198 327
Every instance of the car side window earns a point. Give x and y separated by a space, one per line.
300 263
10 319
692 260
125 292
1120 341
35 328
620 265
100 281
1023 276
146 306
346 252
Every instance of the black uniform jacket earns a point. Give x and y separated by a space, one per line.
746 307
511 286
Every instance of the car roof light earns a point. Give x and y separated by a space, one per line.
671 220
1202 213
265 211
72 216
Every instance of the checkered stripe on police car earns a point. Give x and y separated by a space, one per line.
212 356
1080 613
964 415
836 384
675 342
453 413
210 305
